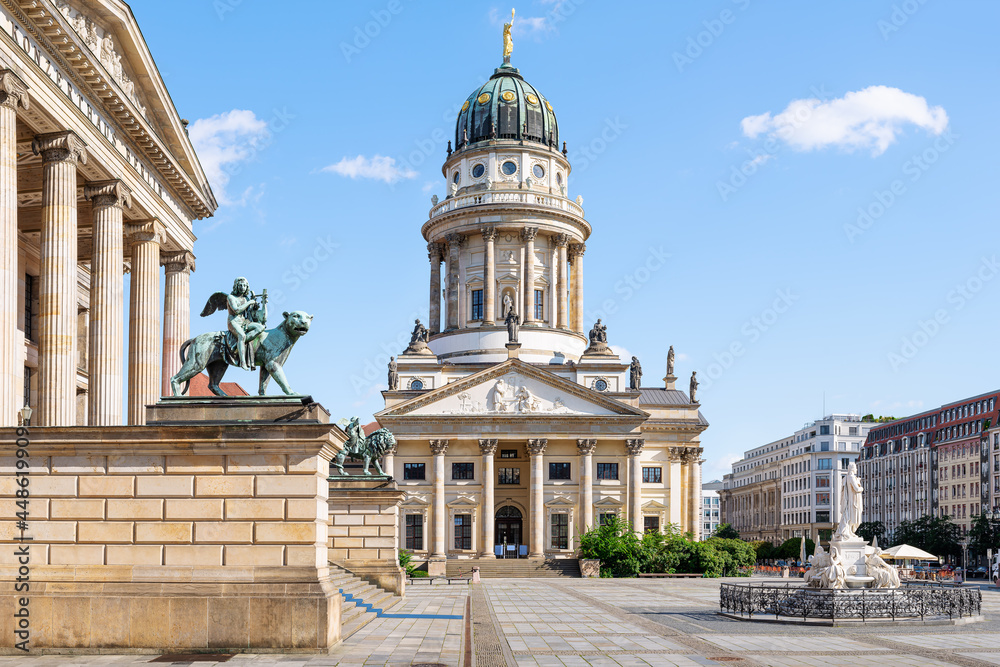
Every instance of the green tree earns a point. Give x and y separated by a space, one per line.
616 545
934 534
790 549
726 532
869 530
984 534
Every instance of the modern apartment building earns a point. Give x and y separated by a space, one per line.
791 487
711 512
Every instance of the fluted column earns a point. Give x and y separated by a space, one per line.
536 493
434 313
107 303
693 459
576 251
488 448
454 245
57 354
144 318
528 236
586 449
633 447
562 320
490 279
13 92
176 313
439 448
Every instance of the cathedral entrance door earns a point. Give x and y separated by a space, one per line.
507 535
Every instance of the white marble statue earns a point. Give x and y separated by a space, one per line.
885 575
851 505
835 576
819 563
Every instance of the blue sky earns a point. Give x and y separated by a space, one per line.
821 175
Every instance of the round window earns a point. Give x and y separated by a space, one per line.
478 171
456 178
538 171
416 385
508 167
601 385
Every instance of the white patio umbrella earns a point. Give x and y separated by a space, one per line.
907 552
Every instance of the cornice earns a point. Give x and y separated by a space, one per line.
474 213
49 28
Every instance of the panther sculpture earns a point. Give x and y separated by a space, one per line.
271 349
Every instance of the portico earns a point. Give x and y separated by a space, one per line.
98 179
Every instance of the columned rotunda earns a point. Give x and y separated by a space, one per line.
517 426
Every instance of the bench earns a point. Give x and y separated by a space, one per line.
430 580
668 574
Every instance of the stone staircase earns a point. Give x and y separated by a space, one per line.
497 568
360 602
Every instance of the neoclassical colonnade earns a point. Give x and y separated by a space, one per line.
61 153
567 298
535 527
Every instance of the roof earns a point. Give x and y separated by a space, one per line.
506 107
370 428
199 387
660 396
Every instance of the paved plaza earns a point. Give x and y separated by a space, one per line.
581 622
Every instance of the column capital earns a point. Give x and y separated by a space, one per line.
13 91
435 251
675 453
528 234
577 249
536 446
691 455
178 262
144 231
489 232
392 449
62 146
586 446
562 240
439 447
108 193
634 446
455 240
488 446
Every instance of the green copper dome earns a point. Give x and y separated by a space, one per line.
506 107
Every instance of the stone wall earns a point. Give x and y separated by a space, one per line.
364 533
173 537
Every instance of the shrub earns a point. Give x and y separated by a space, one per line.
616 545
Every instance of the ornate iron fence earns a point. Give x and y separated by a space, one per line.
788 601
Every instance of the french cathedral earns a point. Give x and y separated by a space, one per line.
518 428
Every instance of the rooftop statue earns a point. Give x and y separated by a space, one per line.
513 322
694 386
418 340
635 374
245 343
508 41
670 361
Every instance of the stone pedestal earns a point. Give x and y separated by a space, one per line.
364 529
852 557
236 410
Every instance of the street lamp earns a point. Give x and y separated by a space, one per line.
26 415
965 555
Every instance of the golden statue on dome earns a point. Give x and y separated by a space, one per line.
508 41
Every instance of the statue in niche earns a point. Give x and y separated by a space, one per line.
393 375
508 304
670 361
694 386
513 322
634 374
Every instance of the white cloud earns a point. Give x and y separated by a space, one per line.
378 168
428 186
223 142
871 119
534 27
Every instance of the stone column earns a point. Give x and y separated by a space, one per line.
586 449
490 279
389 462
633 447
694 489
562 320
13 92
434 313
439 448
107 302
57 354
144 318
528 236
176 312
488 448
454 245
536 495
576 251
